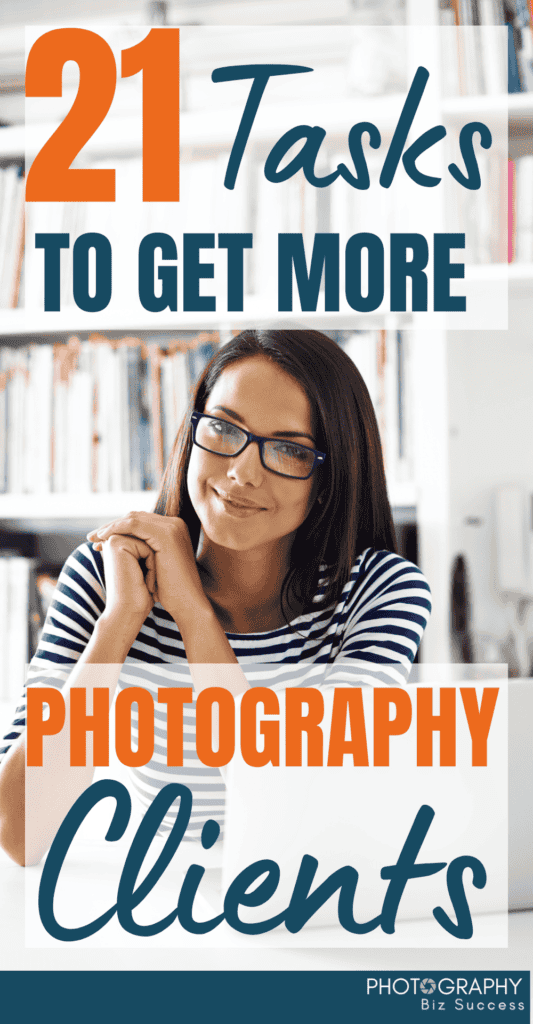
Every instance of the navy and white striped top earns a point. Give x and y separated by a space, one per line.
369 638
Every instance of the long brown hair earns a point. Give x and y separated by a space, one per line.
353 512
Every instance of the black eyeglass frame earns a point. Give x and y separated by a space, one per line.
319 457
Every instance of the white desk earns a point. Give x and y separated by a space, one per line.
91 871
95 870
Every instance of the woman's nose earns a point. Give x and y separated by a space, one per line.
246 468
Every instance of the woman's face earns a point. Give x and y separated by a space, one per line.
240 504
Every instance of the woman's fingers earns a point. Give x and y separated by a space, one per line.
134 545
140 550
127 592
173 573
150 572
164 534
103 532
149 537
135 524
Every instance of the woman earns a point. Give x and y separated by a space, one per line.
271 545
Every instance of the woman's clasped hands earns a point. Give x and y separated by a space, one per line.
170 572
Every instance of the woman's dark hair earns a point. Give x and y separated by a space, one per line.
354 511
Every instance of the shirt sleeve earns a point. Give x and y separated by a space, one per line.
78 601
386 614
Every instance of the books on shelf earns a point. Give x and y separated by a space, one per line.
483 217
11 234
382 360
472 62
524 30
482 214
98 415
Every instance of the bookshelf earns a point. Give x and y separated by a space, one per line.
472 415
118 399
421 475
518 106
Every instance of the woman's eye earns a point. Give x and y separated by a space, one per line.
223 429
294 451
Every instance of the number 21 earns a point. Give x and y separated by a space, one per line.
51 177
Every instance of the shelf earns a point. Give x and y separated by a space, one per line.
38 512
49 513
19 322
121 137
516 274
517 105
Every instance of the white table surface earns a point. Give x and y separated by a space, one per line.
94 868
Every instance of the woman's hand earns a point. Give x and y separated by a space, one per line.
177 584
178 588
130 593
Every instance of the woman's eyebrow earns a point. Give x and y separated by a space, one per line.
277 433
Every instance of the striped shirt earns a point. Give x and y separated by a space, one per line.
369 638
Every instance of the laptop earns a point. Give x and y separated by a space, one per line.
361 817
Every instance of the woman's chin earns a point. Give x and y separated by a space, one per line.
233 540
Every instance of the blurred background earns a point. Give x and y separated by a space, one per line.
87 420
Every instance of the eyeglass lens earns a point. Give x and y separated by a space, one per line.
223 438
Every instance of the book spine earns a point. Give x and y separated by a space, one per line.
43 368
59 418
154 357
16 249
106 414
525 50
17 419
511 210
167 402
115 467
493 57
7 213
18 275
124 427
101 442
133 354
30 422
146 437
79 419
513 72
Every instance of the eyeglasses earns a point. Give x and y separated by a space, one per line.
286 458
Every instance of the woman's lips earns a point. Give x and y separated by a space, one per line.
237 507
